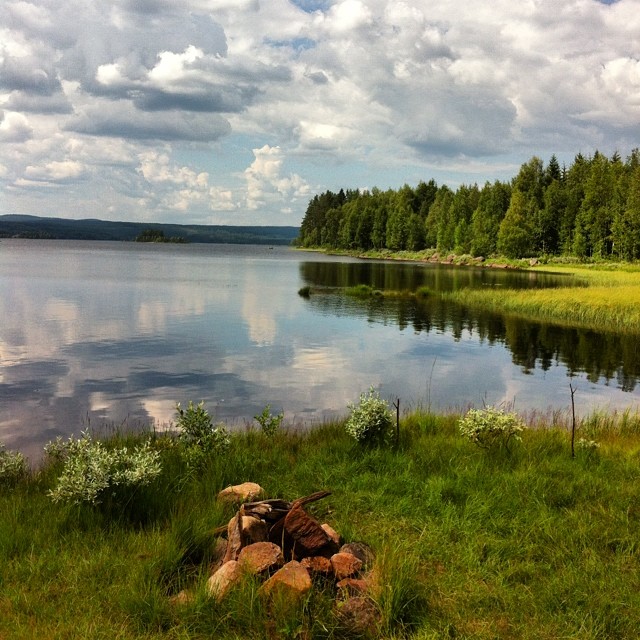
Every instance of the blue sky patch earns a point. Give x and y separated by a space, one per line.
312 5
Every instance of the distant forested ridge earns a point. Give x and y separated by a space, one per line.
22 226
157 235
588 210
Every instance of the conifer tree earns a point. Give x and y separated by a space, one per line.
626 226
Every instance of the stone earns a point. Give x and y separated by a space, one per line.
223 579
254 529
234 540
360 616
309 537
345 565
291 582
317 565
239 493
361 551
332 533
260 557
355 586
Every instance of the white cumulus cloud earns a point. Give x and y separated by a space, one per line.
220 111
265 179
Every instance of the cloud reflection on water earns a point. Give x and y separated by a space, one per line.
103 333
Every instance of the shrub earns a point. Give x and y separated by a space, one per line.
362 291
13 466
587 449
268 422
370 421
91 470
491 428
198 435
587 445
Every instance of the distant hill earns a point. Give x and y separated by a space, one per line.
25 226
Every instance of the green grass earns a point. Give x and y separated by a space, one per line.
470 544
362 291
611 300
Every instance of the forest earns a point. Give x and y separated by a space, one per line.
45 228
590 209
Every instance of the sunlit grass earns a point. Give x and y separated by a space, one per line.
610 301
608 297
527 543
604 274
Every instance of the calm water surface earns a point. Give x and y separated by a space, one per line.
95 334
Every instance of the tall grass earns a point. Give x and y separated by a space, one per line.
526 543
611 300
615 308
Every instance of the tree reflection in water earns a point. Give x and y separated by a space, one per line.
609 356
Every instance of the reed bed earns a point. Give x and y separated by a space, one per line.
610 301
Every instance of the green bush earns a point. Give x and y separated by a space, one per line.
13 466
370 421
198 436
269 423
362 291
491 428
91 470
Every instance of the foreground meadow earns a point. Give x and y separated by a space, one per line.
517 542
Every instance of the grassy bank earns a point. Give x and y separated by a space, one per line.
427 255
609 301
470 543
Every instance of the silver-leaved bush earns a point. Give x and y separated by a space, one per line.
90 469
370 421
491 427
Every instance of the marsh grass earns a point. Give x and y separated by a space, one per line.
613 308
609 301
606 296
525 543
362 291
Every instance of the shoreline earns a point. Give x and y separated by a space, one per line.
433 256
429 256
610 301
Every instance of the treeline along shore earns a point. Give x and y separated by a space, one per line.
589 210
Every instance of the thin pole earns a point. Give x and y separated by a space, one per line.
573 422
396 404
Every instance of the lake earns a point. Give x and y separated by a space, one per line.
100 334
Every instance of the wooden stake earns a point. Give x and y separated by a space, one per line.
573 422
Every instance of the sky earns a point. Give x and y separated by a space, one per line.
240 111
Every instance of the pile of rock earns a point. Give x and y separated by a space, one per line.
291 550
